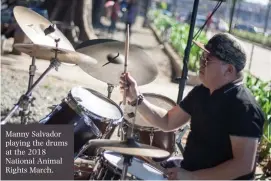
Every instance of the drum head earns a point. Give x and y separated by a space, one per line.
96 103
138 168
140 122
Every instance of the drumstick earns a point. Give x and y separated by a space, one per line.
126 59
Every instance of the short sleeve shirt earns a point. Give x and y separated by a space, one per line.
230 110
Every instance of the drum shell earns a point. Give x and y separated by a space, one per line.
64 114
162 140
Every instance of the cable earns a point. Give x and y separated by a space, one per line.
201 28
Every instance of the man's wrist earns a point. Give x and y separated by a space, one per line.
139 99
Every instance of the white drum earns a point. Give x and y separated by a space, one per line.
112 165
96 104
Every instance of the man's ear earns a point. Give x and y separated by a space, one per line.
230 69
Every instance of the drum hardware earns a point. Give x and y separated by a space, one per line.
121 132
151 137
110 88
107 130
25 99
23 112
32 70
126 163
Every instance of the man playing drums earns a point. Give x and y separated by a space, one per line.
226 121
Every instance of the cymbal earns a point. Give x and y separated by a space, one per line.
33 25
130 147
47 53
110 56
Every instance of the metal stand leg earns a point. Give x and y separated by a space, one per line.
126 163
25 99
23 113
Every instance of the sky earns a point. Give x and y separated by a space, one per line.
259 1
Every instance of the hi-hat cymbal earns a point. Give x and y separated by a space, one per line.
130 147
33 25
111 59
47 53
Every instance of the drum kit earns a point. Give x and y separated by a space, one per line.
95 116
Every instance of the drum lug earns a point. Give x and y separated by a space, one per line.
107 130
151 137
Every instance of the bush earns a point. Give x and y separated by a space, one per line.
262 92
257 38
178 36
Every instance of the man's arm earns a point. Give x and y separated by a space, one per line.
163 119
244 153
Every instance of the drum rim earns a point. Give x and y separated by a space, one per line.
134 158
147 128
90 113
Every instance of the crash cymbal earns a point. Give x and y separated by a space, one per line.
47 53
130 147
111 59
33 25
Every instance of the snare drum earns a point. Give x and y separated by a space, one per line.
111 164
144 132
90 112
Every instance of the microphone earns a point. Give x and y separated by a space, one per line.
49 30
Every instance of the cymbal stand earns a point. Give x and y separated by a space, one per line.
23 113
25 99
126 163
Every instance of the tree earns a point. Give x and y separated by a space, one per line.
72 12
97 11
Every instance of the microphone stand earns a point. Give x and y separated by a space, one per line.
182 80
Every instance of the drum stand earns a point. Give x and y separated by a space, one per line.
126 163
25 99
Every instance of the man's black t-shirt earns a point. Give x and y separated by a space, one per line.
230 110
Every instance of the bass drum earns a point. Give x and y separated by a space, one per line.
144 132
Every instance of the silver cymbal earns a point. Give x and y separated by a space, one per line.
48 52
110 56
33 25
130 147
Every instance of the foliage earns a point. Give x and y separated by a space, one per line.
178 36
257 38
262 92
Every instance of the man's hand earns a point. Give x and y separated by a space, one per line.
179 174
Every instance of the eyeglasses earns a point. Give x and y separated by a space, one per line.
205 60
